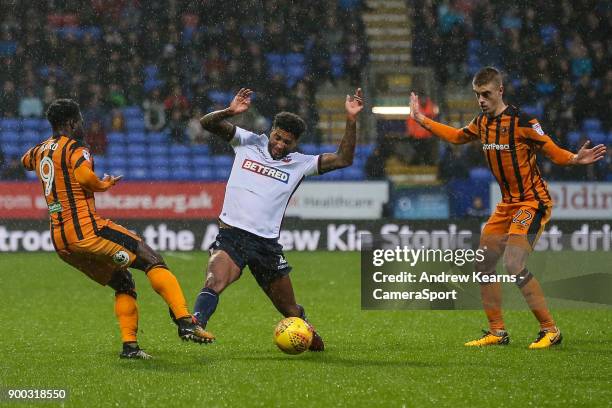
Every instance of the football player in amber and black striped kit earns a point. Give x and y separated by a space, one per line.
98 247
510 141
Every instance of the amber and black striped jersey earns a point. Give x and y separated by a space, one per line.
510 142
71 208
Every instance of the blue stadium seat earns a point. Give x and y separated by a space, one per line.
201 161
151 71
354 173
328 148
100 161
158 149
222 172
136 137
203 173
116 150
176 149
480 173
10 124
364 150
117 171
137 161
30 124
133 112
220 97
157 137
337 65
275 64
45 128
222 160
160 174
591 125
136 149
138 173
31 136
31 175
181 173
158 161
116 138
116 162
597 137
179 160
135 125
200 150
9 136
25 146
573 138
12 150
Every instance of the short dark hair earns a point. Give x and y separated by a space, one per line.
487 75
290 122
61 111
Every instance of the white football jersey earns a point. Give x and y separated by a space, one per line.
259 187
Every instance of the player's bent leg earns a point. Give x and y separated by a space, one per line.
280 292
220 273
167 286
126 310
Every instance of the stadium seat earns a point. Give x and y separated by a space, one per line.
136 137
179 149
160 174
116 138
133 112
158 161
12 149
135 125
222 172
9 136
480 173
201 161
222 160
158 149
30 124
328 148
203 173
136 149
591 125
137 161
116 162
573 138
100 161
31 136
200 150
116 150
10 124
337 65
181 173
179 160
31 175
157 137
597 137
138 173
354 173
364 150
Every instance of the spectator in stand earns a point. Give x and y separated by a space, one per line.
30 105
420 138
176 100
9 100
96 138
176 125
195 131
375 165
154 112
117 120
453 164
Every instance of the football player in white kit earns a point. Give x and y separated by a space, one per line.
265 173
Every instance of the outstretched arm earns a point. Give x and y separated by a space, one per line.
90 182
215 122
346 150
448 133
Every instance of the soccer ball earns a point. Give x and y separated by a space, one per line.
293 335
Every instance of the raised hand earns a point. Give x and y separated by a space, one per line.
415 109
354 104
241 102
111 179
588 156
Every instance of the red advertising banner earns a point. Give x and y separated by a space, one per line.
127 200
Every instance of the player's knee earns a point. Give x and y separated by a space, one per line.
513 265
487 262
123 282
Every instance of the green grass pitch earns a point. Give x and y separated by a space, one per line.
59 331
